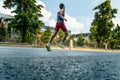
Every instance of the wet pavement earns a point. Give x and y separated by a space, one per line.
39 64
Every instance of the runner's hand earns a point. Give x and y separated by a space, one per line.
65 19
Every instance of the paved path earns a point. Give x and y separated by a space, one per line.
38 64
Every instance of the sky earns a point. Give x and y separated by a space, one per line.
79 13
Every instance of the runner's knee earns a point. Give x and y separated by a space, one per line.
55 33
66 33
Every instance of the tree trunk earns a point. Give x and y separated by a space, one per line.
106 46
23 36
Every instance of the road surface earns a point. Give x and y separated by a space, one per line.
39 64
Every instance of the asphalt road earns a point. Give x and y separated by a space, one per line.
39 64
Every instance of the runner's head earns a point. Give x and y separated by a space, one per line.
62 6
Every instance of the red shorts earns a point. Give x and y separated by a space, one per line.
60 26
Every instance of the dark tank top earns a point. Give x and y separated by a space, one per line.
59 19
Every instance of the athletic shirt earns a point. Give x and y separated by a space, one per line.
59 19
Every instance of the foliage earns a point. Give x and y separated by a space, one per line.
27 17
80 40
115 37
46 35
102 23
60 35
2 33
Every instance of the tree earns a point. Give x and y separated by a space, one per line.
93 35
27 16
116 32
46 35
102 23
80 40
115 37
